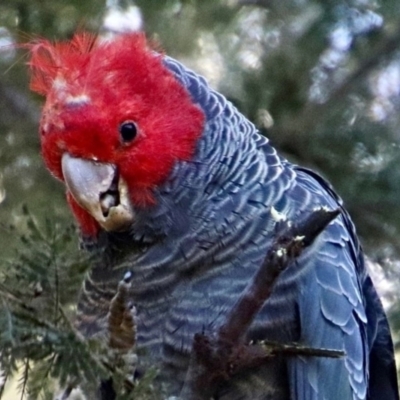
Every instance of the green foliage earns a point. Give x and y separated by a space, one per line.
38 291
38 294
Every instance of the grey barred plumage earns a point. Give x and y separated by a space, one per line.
195 252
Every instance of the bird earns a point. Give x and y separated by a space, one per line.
175 185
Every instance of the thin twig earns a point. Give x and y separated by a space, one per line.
294 349
288 245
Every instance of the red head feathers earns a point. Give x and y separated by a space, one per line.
113 102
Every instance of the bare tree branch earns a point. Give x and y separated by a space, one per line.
216 359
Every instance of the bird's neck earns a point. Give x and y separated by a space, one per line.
205 203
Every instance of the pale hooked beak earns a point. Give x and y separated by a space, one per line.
98 188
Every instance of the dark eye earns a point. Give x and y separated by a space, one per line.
128 131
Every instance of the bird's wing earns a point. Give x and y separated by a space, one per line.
339 309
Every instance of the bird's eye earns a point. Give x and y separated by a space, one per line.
128 131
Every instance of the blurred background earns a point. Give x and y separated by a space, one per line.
320 78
